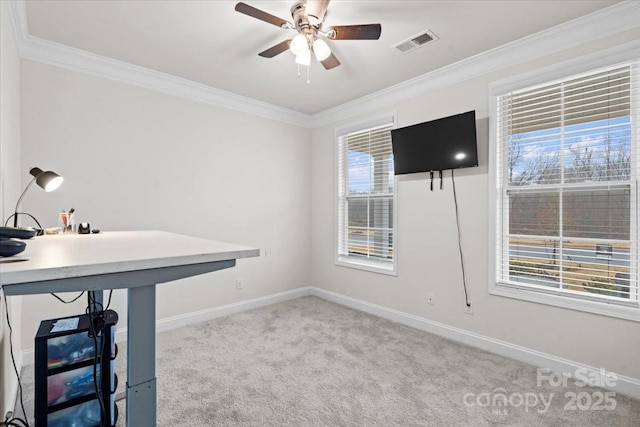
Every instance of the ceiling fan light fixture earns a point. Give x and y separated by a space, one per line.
308 17
299 44
304 58
321 49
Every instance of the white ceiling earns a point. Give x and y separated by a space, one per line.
209 43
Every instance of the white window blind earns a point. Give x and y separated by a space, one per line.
567 205
366 192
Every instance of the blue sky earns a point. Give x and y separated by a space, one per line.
361 172
579 138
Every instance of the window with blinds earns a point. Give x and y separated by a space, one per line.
366 199
566 172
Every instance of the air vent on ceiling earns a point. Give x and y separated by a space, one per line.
416 41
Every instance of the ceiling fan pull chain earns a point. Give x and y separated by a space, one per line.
308 72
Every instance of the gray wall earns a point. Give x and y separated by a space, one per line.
427 247
136 159
9 188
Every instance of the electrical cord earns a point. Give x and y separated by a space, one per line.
109 300
464 277
23 213
91 309
68 302
97 350
15 421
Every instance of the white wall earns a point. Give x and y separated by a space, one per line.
254 181
428 258
9 189
138 159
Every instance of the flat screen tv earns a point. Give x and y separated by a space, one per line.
447 143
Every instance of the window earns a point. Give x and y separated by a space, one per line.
566 197
366 197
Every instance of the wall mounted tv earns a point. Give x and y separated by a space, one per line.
447 143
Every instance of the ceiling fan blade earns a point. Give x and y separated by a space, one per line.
357 32
315 10
330 62
276 50
260 14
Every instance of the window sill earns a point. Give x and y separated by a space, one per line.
387 268
630 312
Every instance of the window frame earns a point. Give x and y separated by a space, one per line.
359 263
584 64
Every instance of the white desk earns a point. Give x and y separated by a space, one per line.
135 260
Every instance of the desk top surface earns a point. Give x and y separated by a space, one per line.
77 255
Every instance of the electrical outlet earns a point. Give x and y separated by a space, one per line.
430 298
238 283
468 308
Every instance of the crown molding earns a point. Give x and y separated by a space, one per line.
20 23
51 53
47 52
620 17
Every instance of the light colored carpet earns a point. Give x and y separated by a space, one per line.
309 362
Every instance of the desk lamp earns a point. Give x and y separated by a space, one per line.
48 181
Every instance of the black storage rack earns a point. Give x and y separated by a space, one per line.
64 373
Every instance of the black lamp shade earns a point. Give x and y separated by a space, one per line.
48 180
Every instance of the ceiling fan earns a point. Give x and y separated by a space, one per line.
308 17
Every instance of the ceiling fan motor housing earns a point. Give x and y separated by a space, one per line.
301 20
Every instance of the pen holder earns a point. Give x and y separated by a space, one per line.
67 222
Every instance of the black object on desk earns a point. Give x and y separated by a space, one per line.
9 246
18 233
84 228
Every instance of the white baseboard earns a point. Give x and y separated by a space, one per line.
12 392
181 320
624 385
